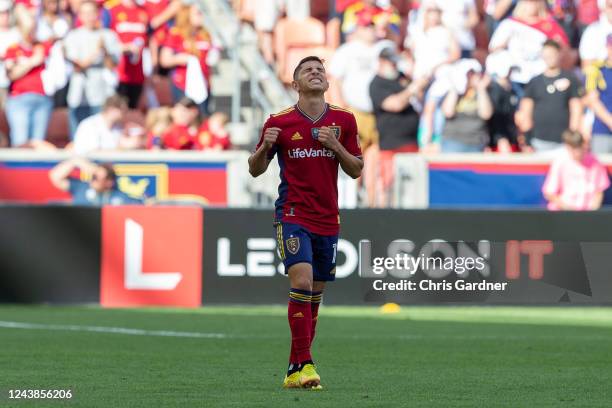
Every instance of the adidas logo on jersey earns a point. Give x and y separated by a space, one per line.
308 153
298 314
296 136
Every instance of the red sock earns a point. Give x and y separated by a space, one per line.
315 301
299 315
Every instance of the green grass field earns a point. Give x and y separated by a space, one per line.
236 357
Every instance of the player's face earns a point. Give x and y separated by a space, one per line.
311 77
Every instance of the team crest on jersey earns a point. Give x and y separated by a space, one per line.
293 245
315 132
337 130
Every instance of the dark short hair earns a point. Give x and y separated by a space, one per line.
187 102
552 44
110 172
573 138
296 71
116 101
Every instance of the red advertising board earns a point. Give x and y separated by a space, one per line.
151 256
201 182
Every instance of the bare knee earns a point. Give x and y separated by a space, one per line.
302 282
300 276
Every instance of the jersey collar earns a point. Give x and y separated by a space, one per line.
313 120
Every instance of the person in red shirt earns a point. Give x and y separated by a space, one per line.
157 122
310 140
212 134
186 39
182 134
160 13
130 22
28 108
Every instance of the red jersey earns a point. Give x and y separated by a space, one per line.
178 44
130 24
210 140
153 9
308 192
179 137
32 80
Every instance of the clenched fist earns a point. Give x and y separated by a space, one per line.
328 138
270 136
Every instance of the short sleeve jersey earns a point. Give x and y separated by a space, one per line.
308 191
130 24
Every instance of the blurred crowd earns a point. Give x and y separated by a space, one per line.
457 76
126 74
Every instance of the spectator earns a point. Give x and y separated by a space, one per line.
384 17
213 134
461 16
352 68
587 13
496 11
576 180
564 12
397 121
593 41
161 13
599 99
188 39
100 190
52 24
267 14
8 36
433 45
467 108
504 98
182 134
158 120
523 36
103 130
28 108
551 103
28 7
130 22
94 52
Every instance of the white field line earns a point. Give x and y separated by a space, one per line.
200 335
113 330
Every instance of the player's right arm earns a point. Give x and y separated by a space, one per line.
260 159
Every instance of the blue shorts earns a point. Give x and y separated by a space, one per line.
296 244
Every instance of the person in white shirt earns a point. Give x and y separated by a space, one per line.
433 45
593 42
523 36
352 68
461 16
103 130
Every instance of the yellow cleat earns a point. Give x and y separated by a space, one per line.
292 381
309 377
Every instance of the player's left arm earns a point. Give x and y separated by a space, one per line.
351 164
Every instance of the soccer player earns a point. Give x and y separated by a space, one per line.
310 139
